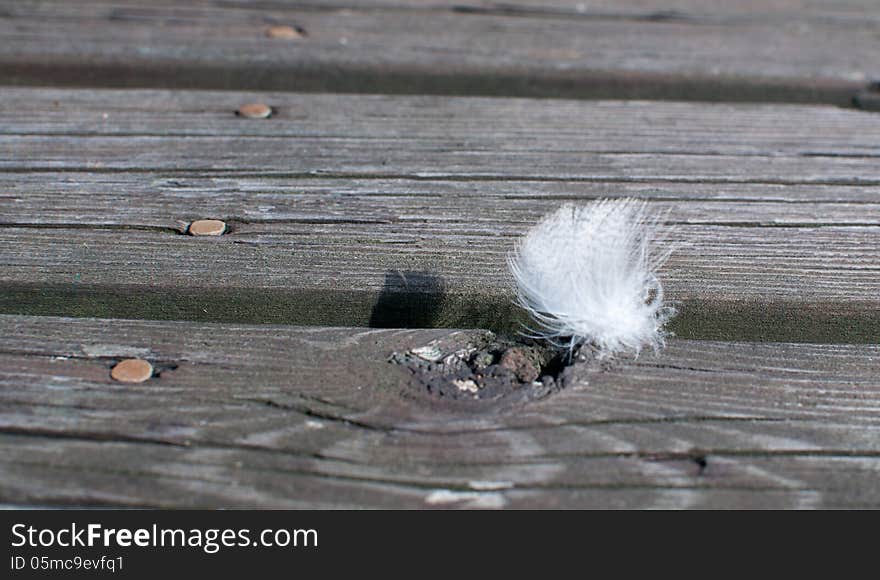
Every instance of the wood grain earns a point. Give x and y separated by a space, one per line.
340 205
276 416
777 51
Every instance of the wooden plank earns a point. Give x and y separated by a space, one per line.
777 51
399 211
429 124
276 416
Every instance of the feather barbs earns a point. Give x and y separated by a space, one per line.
587 276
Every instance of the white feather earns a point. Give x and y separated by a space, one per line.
587 276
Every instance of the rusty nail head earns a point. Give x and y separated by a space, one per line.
132 370
284 32
207 228
254 111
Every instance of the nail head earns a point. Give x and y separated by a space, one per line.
283 32
255 111
132 370
207 228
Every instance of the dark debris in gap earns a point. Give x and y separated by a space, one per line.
488 368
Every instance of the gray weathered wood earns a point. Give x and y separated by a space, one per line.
307 124
339 199
789 51
276 416
392 211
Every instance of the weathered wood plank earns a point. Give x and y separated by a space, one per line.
789 51
276 416
340 200
605 139
609 127
431 136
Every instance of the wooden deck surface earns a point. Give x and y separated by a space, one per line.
394 208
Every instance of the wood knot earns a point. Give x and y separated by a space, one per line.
484 368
